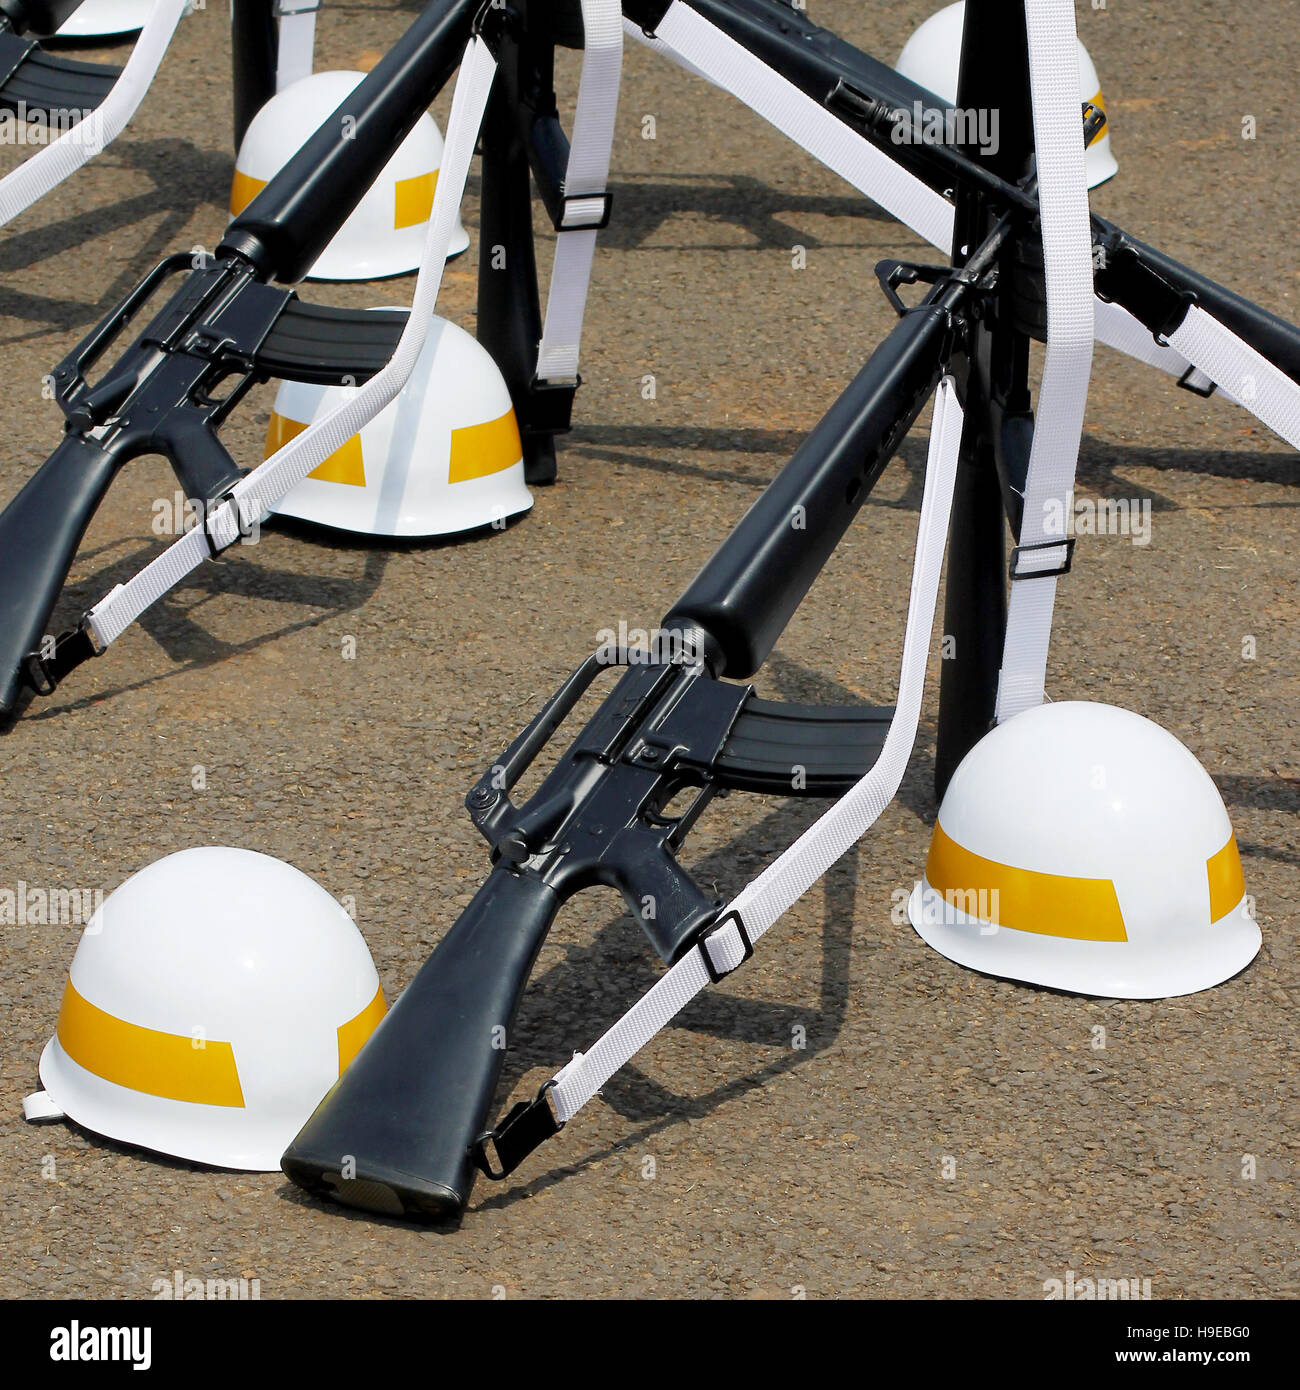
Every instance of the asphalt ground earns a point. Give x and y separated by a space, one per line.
941 1134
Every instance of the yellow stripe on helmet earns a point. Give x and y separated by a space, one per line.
1099 102
243 189
491 447
143 1059
1083 909
1227 882
413 200
353 1033
345 465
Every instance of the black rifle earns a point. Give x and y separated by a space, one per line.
225 327
222 329
405 1128
412 1104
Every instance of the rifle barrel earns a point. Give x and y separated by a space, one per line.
291 221
746 594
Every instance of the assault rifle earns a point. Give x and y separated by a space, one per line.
405 1129
226 327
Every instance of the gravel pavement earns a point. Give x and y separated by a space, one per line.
940 1134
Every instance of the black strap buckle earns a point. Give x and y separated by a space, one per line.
1063 568
585 224
526 1127
243 529
703 947
1205 392
1123 278
42 673
550 405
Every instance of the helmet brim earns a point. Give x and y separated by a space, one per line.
94 21
1205 957
214 1135
325 504
338 266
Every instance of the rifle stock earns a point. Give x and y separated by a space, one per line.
39 534
403 1114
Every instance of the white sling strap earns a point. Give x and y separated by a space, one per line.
731 66
33 179
1066 235
287 467
753 911
296 50
840 148
1043 550
586 202
1240 372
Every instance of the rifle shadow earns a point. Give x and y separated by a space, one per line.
1265 792
1099 461
184 179
774 218
173 622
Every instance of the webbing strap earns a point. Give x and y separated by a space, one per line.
296 50
265 485
1240 372
753 911
585 180
1043 551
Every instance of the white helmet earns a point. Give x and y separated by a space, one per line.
445 456
1082 847
932 56
100 18
385 233
214 998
